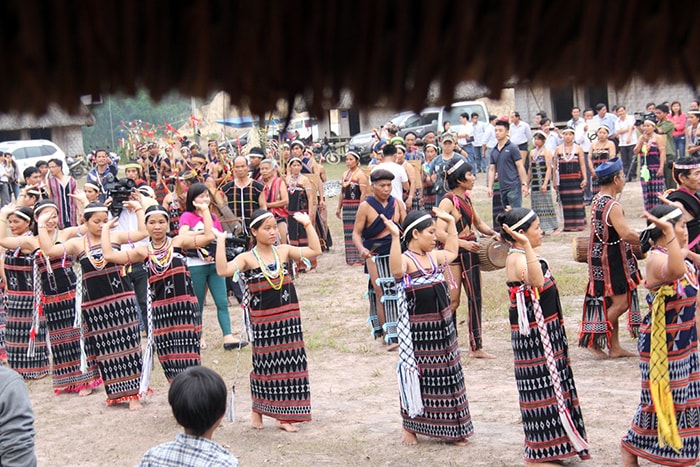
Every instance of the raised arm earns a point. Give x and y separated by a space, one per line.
314 248
525 267
396 264
451 249
118 257
205 237
128 237
240 263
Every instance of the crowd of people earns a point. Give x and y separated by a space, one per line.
91 272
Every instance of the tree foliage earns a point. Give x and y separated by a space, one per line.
173 108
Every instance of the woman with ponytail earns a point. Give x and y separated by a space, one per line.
543 375
433 397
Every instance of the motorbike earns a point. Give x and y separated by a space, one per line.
324 151
78 165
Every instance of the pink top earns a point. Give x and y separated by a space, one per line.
679 124
192 219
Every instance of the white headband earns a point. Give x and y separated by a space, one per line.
40 208
91 185
259 219
415 223
19 213
525 218
157 211
686 167
95 209
671 215
460 162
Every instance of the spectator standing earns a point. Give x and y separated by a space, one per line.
507 162
16 421
679 122
520 134
478 144
61 190
693 133
664 126
627 139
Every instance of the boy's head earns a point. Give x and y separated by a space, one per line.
197 397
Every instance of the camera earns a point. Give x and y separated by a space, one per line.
120 191
641 117
234 246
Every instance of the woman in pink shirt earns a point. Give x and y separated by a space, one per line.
678 119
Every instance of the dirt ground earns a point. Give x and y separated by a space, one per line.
354 387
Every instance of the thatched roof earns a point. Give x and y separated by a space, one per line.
381 51
54 117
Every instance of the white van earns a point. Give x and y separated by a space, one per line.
458 108
30 151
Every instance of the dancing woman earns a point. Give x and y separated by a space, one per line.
665 428
570 182
458 203
25 338
354 191
279 381
433 397
601 151
174 317
545 381
301 199
104 304
56 296
652 147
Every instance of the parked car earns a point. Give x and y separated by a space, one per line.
427 121
28 152
452 115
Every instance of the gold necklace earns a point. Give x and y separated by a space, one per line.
269 274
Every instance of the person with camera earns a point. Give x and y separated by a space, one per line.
200 261
174 319
102 175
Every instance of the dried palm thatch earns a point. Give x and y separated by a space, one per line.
381 51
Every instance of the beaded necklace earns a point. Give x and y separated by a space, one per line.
267 272
568 156
97 259
347 181
411 254
159 258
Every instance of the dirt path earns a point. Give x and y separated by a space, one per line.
354 389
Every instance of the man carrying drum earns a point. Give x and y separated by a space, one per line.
612 268
456 202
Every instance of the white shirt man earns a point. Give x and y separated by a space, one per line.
400 181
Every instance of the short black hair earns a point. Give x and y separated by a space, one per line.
41 163
474 114
599 106
197 397
663 108
504 124
458 174
29 171
516 114
57 162
464 115
388 150
492 117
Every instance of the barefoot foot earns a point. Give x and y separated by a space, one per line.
621 353
461 442
288 427
135 405
391 347
628 459
85 392
408 438
598 354
256 421
481 353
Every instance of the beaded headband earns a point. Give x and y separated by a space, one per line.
259 219
525 218
95 209
686 167
91 185
452 169
431 145
350 153
295 159
416 222
401 146
19 213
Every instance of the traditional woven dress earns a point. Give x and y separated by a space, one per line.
598 156
351 202
542 202
468 261
570 191
677 324
429 195
298 202
110 313
612 270
3 326
174 311
58 284
174 212
546 389
434 343
20 311
279 381
655 184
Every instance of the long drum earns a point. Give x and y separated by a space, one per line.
580 247
492 254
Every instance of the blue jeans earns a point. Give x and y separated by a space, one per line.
512 196
679 144
470 155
